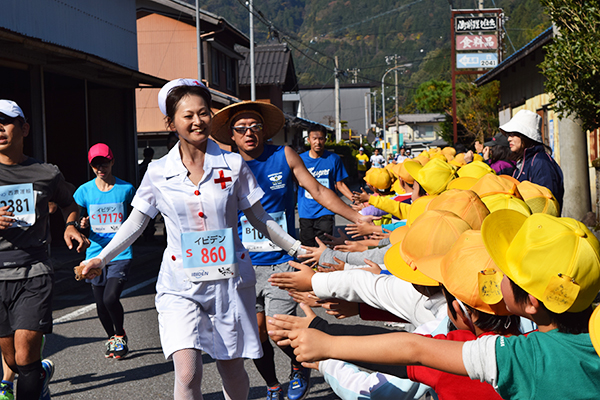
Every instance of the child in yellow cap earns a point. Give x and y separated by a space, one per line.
551 272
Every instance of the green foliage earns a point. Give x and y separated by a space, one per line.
572 62
476 107
363 32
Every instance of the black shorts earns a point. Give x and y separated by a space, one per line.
311 228
26 304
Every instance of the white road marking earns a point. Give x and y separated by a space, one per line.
83 310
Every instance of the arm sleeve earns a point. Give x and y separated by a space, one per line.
350 383
354 258
380 291
131 229
479 358
262 221
396 208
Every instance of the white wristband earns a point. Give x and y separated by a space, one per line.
294 249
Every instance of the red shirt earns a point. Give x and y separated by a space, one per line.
449 386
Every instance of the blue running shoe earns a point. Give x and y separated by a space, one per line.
274 393
299 383
48 367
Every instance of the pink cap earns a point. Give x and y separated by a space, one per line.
99 150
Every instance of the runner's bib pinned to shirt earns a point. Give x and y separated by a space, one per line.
20 200
322 181
255 241
209 255
106 218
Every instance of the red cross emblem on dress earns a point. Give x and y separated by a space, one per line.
222 179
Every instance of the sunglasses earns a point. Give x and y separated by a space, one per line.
242 129
6 120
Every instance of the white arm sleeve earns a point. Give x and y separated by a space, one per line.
350 383
131 229
479 358
262 221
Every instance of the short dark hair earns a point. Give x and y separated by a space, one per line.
179 92
317 128
148 152
501 324
567 322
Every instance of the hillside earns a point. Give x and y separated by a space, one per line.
363 32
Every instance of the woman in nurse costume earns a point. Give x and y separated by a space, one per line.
205 290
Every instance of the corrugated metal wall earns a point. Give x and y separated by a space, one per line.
104 28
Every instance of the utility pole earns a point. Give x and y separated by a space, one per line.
338 131
252 83
396 110
198 42
367 119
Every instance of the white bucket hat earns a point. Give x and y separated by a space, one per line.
527 123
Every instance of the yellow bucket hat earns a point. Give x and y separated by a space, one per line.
493 184
449 151
595 329
459 160
539 198
475 169
556 260
502 201
396 188
433 233
462 270
403 173
418 207
379 178
398 234
433 177
464 183
464 203
477 157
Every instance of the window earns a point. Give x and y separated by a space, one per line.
214 59
231 73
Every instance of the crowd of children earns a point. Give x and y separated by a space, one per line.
495 291
495 287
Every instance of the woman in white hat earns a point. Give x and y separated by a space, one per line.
534 164
205 290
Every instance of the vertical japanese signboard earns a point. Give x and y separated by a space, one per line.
476 45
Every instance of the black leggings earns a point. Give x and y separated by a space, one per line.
110 309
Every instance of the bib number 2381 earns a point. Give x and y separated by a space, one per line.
209 255
20 200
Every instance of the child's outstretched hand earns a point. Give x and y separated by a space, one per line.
351 246
313 253
299 281
309 344
307 298
372 267
333 241
329 267
291 322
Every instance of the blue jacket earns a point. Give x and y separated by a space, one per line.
538 167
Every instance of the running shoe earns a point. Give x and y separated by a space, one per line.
6 391
274 393
48 367
299 383
120 347
110 347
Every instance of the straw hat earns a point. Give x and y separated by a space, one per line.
272 119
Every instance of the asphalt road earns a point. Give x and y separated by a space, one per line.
77 349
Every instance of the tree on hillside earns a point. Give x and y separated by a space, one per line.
476 108
572 62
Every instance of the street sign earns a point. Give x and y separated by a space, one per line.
476 60
476 42
473 24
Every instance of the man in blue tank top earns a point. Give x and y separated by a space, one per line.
327 168
276 169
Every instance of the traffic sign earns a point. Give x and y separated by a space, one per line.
476 60
476 42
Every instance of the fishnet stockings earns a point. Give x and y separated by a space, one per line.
188 376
